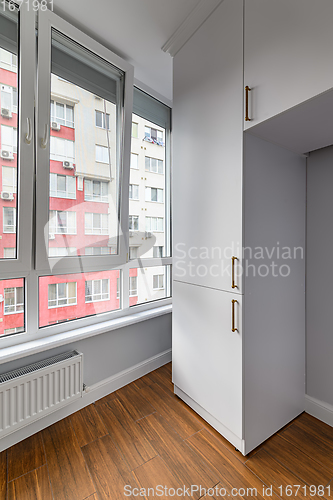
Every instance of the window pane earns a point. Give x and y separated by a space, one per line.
91 91
8 133
151 283
12 303
151 184
67 297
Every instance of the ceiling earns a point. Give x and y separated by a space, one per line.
134 29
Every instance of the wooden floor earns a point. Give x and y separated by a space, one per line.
143 436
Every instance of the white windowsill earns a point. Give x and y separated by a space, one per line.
32 347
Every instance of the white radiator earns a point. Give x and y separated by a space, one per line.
31 392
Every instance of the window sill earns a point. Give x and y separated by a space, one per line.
32 347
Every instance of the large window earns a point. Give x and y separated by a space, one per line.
76 191
62 186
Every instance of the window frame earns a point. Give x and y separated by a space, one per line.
57 299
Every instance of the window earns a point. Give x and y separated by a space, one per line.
134 192
154 224
8 100
100 120
10 331
9 138
154 135
13 300
62 222
133 253
158 251
158 282
134 223
154 194
154 165
97 290
62 114
61 251
62 186
9 179
134 161
118 288
8 60
96 223
99 250
9 253
133 286
61 149
102 154
135 130
61 294
96 190
9 219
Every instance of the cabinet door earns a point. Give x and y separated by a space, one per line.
287 54
207 150
206 354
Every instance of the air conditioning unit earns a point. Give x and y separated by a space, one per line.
5 195
55 126
8 155
6 113
68 164
148 234
51 236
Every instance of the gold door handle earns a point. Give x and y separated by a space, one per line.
233 285
233 329
247 90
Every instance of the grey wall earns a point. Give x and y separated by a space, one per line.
107 354
319 276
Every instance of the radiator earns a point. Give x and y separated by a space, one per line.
36 390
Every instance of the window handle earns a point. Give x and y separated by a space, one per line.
233 327
233 285
45 139
247 90
28 135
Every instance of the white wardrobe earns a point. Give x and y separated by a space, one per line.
239 192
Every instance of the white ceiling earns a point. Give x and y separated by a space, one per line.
134 29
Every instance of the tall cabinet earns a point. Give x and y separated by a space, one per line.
238 337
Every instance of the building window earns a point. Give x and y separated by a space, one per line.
154 165
100 120
98 251
62 114
9 138
135 130
9 253
9 179
8 60
61 149
134 191
158 251
96 190
62 186
8 99
133 286
155 224
102 154
118 288
62 222
133 252
62 294
9 331
13 300
96 223
154 135
97 290
134 223
9 219
61 251
134 161
154 194
158 282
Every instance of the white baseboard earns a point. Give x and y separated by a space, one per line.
319 409
95 392
222 429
